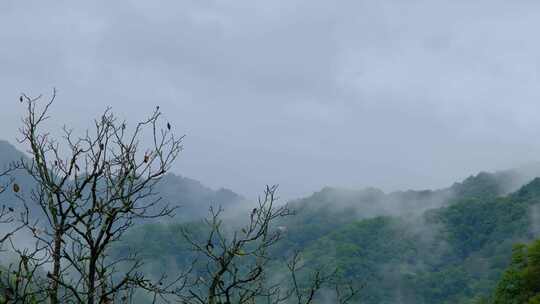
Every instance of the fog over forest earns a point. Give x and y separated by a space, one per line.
277 152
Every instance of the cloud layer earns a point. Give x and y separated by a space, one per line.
304 93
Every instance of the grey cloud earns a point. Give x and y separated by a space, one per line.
395 94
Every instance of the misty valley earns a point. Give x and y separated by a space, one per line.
269 152
472 242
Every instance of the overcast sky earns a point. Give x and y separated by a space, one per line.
395 94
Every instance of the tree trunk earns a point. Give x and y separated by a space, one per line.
56 266
91 278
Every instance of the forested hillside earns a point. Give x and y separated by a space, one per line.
452 245
453 250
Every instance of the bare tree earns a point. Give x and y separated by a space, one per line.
236 265
90 190
9 227
305 293
6 212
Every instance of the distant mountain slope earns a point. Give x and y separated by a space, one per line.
486 184
330 208
192 197
449 255
9 153
441 246
430 246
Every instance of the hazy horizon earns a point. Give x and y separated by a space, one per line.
391 94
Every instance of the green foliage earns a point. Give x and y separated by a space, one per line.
483 185
519 282
455 252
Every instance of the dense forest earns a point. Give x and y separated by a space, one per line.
455 251
473 242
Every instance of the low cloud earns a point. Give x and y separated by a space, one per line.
393 94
